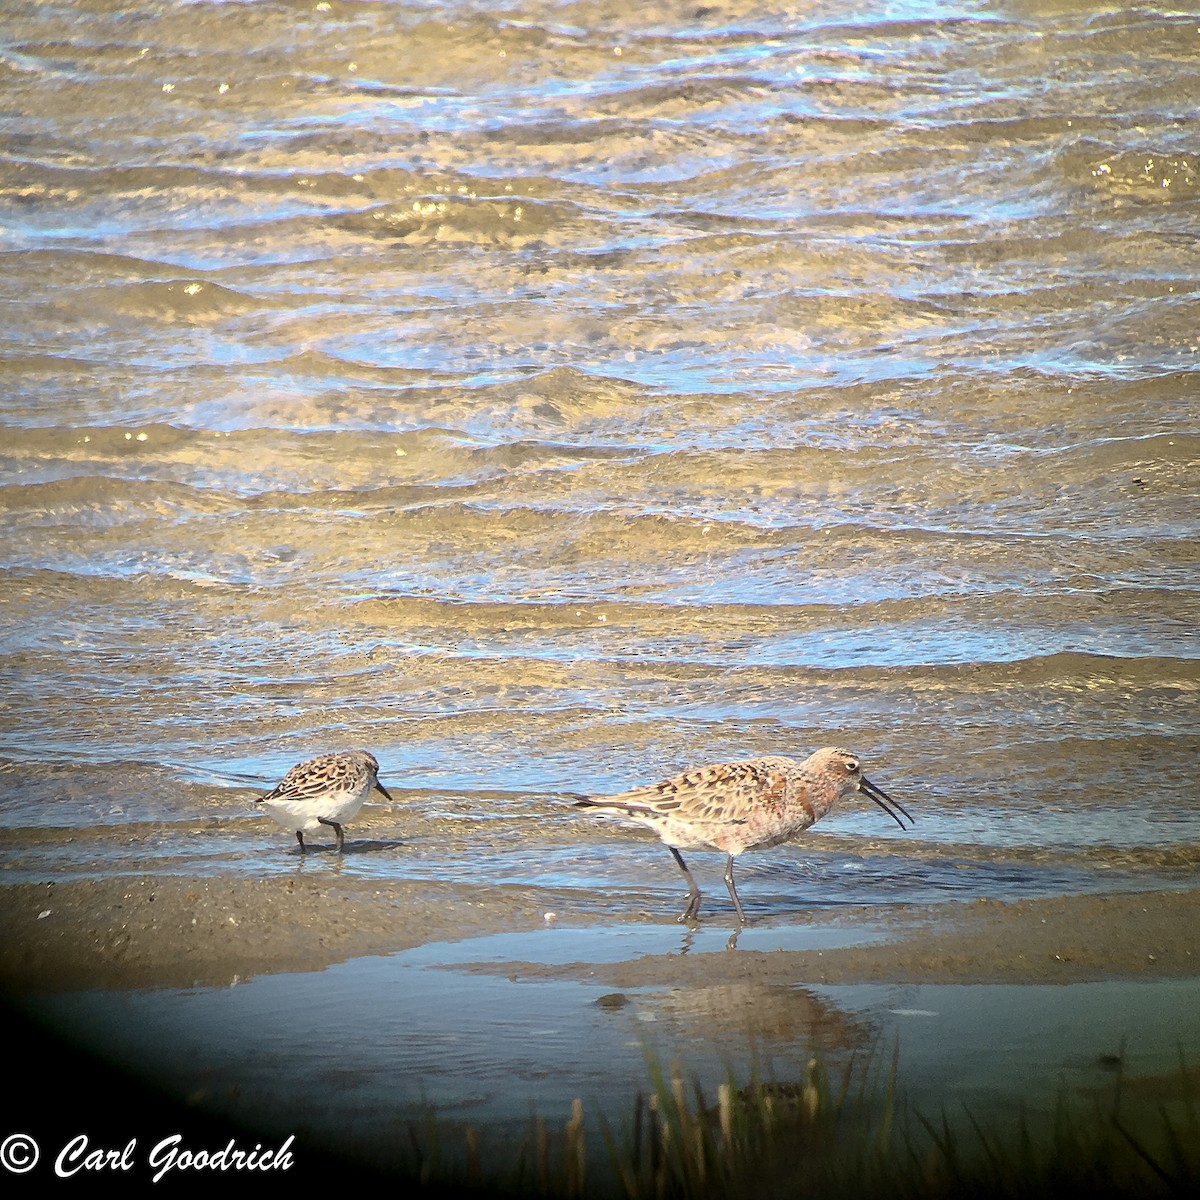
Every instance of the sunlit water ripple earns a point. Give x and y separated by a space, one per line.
555 397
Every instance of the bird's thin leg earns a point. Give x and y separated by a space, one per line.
732 890
693 907
341 837
300 839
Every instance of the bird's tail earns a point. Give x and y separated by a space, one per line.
607 806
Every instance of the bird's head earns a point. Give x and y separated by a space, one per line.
845 769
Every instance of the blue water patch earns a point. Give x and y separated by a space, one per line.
475 1031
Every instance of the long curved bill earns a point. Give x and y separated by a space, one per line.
883 800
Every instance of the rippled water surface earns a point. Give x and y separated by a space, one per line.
552 396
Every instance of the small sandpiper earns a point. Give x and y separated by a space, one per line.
739 806
326 790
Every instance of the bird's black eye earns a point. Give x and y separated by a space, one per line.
852 765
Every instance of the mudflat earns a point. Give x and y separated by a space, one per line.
122 932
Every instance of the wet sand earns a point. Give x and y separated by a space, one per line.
168 931
126 934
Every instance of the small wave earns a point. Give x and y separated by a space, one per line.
176 301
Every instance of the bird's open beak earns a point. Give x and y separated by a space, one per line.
384 790
883 800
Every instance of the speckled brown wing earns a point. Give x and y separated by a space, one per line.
718 794
317 777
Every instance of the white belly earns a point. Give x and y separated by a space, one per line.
305 815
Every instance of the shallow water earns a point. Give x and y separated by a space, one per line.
553 397
351 1057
